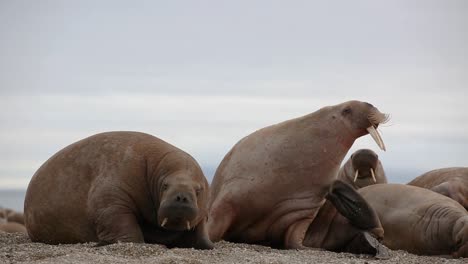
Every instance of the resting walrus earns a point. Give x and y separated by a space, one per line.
12 227
12 216
119 186
363 168
270 186
451 182
418 220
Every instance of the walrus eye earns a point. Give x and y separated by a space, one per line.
346 111
198 191
165 186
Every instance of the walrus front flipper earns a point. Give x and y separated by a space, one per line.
352 205
114 224
196 238
365 242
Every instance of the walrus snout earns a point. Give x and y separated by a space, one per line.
177 212
182 198
365 163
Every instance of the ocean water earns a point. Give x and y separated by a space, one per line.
13 199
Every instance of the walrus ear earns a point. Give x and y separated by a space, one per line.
352 205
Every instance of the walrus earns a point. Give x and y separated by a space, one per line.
269 187
418 220
363 168
451 182
11 215
119 186
12 227
331 230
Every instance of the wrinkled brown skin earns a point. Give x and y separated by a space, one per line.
362 160
451 182
418 220
271 184
12 227
112 187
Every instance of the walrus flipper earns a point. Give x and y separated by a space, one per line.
352 205
113 226
195 238
365 242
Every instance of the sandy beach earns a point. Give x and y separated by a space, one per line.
18 248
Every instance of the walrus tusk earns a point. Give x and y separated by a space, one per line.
376 136
373 175
164 222
188 225
355 175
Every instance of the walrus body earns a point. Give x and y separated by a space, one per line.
331 230
11 215
270 186
119 186
418 220
451 182
12 227
363 168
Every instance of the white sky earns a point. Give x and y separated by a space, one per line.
203 74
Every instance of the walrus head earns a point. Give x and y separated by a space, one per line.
179 209
183 197
364 162
360 119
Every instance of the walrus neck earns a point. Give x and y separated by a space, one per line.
338 133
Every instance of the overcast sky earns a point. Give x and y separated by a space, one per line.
203 74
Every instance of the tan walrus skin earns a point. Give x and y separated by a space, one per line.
270 186
12 216
451 182
119 186
418 220
363 168
12 227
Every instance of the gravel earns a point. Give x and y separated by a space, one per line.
18 248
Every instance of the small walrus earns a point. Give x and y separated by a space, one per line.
11 215
270 186
363 168
12 227
119 186
418 220
451 182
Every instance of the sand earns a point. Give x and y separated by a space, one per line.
18 248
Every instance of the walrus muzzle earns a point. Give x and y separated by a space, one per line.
177 212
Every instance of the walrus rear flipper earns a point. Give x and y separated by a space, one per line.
352 205
365 242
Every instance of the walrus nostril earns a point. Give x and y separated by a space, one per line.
181 198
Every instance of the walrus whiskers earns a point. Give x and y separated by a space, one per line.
373 175
377 118
356 175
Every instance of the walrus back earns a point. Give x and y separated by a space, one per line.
55 195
